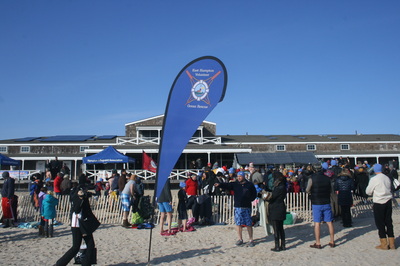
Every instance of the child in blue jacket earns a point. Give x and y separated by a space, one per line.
49 212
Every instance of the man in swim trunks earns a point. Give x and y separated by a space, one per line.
244 194
320 187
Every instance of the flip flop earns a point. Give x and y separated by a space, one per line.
332 245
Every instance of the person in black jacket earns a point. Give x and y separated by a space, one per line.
82 227
361 179
344 185
245 193
7 194
277 210
320 187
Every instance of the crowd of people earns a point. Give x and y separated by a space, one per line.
331 186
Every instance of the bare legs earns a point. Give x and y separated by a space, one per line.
169 221
239 230
317 232
182 223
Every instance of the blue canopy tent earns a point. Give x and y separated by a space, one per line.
4 160
108 155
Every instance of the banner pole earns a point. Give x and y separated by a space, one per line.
151 234
152 220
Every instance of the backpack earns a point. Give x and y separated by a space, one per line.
114 185
145 208
139 188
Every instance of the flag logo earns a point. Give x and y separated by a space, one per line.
200 88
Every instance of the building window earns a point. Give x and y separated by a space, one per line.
83 148
148 134
311 147
280 147
345 147
25 149
3 149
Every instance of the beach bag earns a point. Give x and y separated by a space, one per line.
82 253
145 208
136 218
290 218
89 224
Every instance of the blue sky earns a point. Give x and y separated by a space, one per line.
294 67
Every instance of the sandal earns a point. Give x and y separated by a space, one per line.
332 245
251 244
315 246
239 243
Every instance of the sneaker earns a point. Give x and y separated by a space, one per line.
251 244
239 243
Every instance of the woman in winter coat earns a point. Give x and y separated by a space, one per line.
277 210
344 185
81 212
361 177
49 204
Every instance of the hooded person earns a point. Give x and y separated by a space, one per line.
344 185
49 213
7 194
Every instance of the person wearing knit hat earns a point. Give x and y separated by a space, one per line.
182 210
244 194
5 175
319 187
377 168
380 188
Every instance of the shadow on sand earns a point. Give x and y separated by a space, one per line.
173 257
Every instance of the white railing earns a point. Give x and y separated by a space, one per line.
107 209
156 140
137 141
205 140
176 174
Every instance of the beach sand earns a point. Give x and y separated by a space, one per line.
211 245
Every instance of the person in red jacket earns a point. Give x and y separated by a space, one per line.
192 190
295 184
57 183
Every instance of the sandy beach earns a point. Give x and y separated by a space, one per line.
211 245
